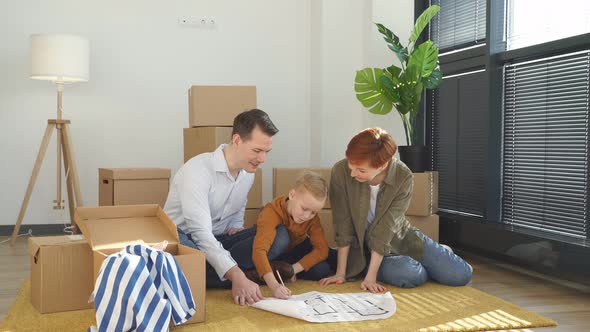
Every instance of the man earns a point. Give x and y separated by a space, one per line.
208 197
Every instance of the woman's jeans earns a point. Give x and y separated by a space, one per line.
239 246
437 263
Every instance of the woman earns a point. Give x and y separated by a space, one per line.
370 192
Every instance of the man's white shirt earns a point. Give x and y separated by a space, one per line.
206 200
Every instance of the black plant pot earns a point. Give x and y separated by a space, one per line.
416 157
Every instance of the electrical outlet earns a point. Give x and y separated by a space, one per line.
197 22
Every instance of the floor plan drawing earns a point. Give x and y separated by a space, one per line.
328 307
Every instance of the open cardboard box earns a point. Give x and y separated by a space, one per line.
108 229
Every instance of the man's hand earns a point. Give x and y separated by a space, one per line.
335 279
232 231
243 290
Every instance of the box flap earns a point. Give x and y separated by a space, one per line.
110 227
134 173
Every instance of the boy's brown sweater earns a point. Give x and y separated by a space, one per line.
274 214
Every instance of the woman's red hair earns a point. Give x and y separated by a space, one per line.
374 145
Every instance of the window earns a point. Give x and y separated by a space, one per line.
459 107
530 22
459 24
545 166
459 130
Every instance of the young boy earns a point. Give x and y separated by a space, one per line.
308 248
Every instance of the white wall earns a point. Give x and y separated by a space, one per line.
345 41
302 56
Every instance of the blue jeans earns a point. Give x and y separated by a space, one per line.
239 246
437 263
316 272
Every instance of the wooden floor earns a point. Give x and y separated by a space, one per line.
566 303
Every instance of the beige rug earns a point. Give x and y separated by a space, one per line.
431 307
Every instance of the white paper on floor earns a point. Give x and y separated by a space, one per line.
326 307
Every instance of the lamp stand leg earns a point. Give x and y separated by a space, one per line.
67 142
69 184
33 179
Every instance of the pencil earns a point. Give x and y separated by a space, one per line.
280 278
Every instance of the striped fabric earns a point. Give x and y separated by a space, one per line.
139 289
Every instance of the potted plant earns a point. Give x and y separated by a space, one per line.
381 89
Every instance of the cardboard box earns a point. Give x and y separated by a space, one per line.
425 195
127 186
328 227
211 106
284 180
250 217
428 225
255 193
109 229
61 273
204 139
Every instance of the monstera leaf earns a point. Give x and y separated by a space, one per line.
434 80
393 43
369 91
394 71
422 21
389 86
425 58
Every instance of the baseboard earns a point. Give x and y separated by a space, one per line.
37 229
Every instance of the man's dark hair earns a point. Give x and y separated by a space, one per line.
245 122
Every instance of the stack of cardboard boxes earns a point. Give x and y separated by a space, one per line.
64 268
424 204
212 110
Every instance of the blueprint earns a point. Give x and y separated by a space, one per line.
326 307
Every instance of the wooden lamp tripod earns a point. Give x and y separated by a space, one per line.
61 59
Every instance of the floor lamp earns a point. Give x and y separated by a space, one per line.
61 59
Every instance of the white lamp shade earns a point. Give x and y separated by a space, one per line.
59 58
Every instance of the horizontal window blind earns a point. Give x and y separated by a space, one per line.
459 138
545 144
459 24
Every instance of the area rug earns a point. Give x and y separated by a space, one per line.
430 307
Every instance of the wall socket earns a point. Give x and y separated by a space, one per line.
197 22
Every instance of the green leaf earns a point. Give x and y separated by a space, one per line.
394 71
393 43
425 58
423 21
411 76
389 87
434 80
369 91
417 96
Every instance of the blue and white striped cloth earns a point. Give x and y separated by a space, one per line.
138 289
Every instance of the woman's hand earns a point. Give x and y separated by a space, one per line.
335 279
373 286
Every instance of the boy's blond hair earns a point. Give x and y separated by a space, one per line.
313 183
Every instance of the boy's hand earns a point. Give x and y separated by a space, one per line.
281 292
335 279
233 231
